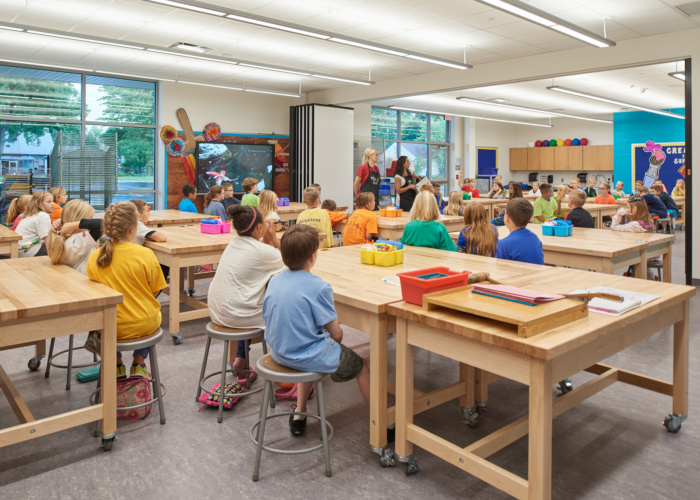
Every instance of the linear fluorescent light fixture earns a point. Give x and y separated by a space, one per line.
258 66
471 116
11 28
680 75
579 93
533 110
276 24
327 77
537 16
227 87
84 39
187 6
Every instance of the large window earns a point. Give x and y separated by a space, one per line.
422 137
93 135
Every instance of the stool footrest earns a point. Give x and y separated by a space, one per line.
292 452
208 391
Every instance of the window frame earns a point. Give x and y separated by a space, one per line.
427 142
84 123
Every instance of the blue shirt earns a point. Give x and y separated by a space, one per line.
227 202
296 306
187 206
521 245
217 209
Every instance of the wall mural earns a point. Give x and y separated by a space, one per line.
652 161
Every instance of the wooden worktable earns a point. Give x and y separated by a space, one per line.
538 362
39 301
9 241
362 298
164 218
601 249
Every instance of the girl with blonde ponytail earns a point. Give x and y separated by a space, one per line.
134 271
73 246
14 213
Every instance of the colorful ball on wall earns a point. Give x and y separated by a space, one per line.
584 142
545 143
531 144
538 144
567 142
575 142
553 142
560 142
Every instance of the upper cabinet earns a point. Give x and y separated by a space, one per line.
518 158
574 158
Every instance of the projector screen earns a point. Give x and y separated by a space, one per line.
219 162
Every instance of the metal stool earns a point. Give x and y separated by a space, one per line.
226 334
271 371
149 341
69 366
664 225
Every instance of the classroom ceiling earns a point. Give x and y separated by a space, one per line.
442 29
647 86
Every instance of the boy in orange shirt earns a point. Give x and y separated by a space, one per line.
604 198
330 206
362 224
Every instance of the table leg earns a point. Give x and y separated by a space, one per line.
641 269
176 273
540 431
667 264
404 388
680 364
378 338
190 278
14 251
108 391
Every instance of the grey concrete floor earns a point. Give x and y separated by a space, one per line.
612 446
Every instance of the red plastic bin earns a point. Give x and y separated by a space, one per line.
413 288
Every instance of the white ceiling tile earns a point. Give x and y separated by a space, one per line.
47 16
502 46
489 19
666 27
622 7
104 26
634 18
452 9
292 12
136 10
11 8
517 29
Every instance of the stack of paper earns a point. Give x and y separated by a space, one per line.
521 295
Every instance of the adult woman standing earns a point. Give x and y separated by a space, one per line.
368 177
405 185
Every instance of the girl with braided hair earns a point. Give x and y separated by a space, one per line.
134 271
237 290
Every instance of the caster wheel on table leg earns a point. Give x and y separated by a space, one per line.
34 363
565 386
177 338
673 423
386 458
108 442
471 415
190 292
412 466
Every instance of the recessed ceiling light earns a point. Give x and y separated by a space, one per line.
190 47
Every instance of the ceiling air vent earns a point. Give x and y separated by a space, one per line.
690 9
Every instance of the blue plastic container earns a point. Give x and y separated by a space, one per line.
398 245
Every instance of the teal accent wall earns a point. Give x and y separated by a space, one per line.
637 127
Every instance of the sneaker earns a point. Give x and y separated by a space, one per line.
297 427
121 371
139 370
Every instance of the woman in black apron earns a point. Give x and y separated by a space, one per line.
405 185
371 184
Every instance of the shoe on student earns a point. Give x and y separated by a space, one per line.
139 370
297 427
121 371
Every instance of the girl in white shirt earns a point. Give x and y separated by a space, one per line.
237 290
35 225
268 205
73 245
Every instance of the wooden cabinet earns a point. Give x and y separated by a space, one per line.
518 158
568 158
598 158
540 158
572 158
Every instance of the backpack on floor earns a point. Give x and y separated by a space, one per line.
133 391
229 396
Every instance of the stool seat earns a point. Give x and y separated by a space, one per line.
221 332
268 368
140 342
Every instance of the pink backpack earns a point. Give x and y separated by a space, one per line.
229 398
133 391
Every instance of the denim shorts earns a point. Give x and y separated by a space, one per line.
349 366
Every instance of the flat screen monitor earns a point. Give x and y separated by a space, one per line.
219 162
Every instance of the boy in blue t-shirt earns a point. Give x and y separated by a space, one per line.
521 244
301 325
187 204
